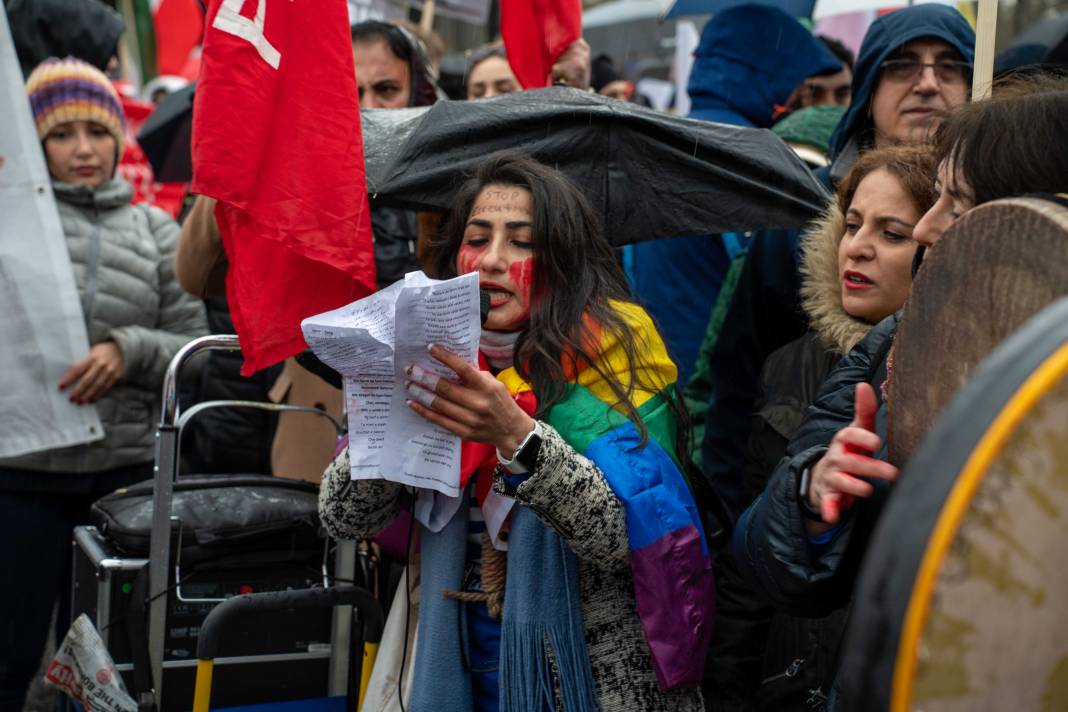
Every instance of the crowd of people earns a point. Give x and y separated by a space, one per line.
674 452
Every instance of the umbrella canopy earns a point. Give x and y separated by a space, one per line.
793 8
815 9
1045 41
165 137
1047 32
87 29
649 175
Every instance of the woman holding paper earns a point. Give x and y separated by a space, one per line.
573 573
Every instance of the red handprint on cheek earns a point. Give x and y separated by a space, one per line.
467 259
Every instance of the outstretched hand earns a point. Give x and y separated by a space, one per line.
476 406
836 478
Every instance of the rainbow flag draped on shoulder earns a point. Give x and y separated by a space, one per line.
671 564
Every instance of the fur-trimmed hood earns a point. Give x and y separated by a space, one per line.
821 292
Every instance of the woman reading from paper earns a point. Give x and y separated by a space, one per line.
572 574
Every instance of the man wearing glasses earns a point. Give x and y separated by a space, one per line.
914 63
925 77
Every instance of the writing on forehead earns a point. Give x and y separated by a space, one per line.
508 194
484 209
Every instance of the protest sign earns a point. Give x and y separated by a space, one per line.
41 324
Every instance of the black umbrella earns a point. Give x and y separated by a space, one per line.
650 175
1045 42
86 29
165 137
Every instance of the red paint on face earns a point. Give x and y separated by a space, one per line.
522 276
467 259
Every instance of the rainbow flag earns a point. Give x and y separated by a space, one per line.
671 565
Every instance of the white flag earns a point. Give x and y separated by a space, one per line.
42 330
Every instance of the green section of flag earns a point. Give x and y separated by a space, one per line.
146 39
582 417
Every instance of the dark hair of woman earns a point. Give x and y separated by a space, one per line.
375 31
1008 145
913 166
478 55
407 47
575 276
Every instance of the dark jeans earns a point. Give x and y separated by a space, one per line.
39 511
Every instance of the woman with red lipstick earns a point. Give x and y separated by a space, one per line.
572 574
856 266
136 316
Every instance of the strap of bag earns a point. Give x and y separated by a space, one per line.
137 633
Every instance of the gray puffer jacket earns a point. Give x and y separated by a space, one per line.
123 260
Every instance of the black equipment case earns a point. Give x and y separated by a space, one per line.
149 581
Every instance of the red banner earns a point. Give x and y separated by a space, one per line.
178 25
276 140
135 169
535 34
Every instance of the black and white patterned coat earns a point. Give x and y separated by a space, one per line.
570 494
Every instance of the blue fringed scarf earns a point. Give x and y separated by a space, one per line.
542 613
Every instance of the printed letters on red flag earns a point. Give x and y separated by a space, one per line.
276 140
536 33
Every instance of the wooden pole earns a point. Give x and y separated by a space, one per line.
426 20
130 42
985 29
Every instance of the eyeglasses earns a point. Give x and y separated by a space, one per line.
909 70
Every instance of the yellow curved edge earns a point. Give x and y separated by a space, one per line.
370 652
1038 384
202 690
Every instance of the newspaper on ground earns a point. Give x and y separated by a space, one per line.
370 343
84 670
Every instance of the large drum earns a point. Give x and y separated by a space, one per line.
962 602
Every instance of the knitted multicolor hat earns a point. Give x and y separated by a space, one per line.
63 90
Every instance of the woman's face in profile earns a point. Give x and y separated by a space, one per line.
954 199
498 244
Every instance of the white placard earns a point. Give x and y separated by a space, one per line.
42 329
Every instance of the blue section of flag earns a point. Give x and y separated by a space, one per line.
656 499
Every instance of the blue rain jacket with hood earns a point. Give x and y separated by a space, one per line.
749 60
855 132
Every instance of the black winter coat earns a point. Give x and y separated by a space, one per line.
760 658
770 543
396 233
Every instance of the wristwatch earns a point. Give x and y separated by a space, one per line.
802 495
526 455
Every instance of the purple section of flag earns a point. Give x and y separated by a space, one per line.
674 591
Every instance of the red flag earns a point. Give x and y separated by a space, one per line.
276 139
178 24
535 34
